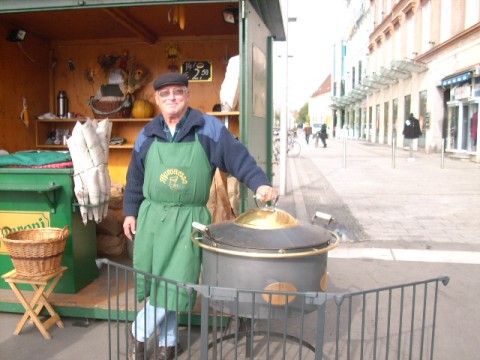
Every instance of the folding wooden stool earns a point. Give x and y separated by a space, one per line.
43 286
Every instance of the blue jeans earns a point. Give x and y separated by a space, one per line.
151 317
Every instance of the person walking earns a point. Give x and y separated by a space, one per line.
308 132
411 131
324 135
168 185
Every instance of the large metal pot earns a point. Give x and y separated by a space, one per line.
265 250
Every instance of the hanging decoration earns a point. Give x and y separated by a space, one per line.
176 15
173 55
89 75
123 70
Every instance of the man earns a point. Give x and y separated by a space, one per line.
168 185
308 131
411 131
324 135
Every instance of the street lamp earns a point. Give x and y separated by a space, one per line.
284 120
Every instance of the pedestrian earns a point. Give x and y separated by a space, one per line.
168 185
324 135
308 131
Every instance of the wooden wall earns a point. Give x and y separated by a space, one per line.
84 55
24 72
51 71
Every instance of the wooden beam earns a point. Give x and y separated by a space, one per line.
136 26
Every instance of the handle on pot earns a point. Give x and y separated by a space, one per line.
259 198
204 230
324 216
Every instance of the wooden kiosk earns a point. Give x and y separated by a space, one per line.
53 46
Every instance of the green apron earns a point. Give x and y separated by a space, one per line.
176 190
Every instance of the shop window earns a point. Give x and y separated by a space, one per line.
406 107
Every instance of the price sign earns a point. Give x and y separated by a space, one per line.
197 70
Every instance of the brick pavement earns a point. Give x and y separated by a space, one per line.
416 202
406 222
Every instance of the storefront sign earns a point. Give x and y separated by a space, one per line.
197 70
23 220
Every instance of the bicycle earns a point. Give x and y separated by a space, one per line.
293 148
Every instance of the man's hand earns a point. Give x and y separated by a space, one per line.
266 193
130 227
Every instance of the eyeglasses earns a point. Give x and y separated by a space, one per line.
175 92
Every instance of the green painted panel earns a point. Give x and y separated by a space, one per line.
23 207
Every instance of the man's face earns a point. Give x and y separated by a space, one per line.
172 100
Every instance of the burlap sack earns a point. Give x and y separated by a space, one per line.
218 203
108 245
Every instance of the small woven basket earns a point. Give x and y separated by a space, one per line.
36 252
111 109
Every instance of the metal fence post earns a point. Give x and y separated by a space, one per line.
320 338
442 156
393 153
204 326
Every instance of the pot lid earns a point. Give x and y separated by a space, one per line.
268 230
266 219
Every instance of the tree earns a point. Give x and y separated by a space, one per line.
276 121
302 116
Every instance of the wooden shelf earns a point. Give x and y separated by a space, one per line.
125 128
119 155
230 119
224 113
74 120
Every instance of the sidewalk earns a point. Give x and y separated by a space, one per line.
401 223
416 202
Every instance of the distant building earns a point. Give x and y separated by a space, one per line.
319 110
410 56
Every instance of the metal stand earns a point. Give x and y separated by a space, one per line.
246 331
442 161
393 153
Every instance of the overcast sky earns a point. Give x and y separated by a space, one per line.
310 46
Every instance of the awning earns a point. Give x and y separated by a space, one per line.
372 83
456 79
395 73
409 65
384 79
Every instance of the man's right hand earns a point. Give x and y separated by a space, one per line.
130 227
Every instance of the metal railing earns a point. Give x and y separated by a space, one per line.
393 322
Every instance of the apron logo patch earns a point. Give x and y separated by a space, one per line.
173 178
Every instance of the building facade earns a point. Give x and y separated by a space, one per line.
319 104
410 56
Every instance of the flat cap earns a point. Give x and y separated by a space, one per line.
170 79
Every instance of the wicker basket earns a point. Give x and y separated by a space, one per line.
36 252
111 109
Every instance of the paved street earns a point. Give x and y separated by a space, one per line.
416 203
411 222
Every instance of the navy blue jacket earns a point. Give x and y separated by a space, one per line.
223 150
411 128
